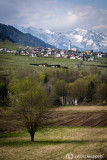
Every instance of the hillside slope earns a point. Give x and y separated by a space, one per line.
21 38
3 38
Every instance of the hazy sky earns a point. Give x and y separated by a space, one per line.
58 15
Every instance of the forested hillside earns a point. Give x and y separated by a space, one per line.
12 34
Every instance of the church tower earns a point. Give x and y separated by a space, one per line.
69 46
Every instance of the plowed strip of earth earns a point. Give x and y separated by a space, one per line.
11 121
92 119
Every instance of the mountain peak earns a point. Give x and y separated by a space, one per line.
49 32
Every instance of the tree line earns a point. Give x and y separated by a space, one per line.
63 87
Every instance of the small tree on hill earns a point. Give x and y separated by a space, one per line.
77 90
101 93
90 91
31 101
92 83
61 90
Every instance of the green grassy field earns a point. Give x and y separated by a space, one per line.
11 64
9 45
54 143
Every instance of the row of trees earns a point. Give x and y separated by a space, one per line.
64 86
86 89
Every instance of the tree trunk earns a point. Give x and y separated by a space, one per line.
62 100
32 136
65 100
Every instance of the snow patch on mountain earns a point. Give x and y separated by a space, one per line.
49 32
79 38
90 42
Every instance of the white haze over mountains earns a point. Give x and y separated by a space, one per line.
84 39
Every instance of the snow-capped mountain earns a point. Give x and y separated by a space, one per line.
82 38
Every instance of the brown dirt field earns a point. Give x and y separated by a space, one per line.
10 121
92 119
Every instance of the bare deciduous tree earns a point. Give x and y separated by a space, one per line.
31 102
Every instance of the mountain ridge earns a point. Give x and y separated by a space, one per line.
21 38
84 39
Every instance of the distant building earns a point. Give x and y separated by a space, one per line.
99 55
89 52
33 55
69 46
57 55
74 49
72 57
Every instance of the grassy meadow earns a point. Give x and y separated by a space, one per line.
10 64
54 143
81 109
10 45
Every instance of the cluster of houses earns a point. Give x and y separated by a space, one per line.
71 53
7 50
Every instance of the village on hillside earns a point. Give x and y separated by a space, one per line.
71 53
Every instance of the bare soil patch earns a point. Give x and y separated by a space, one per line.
62 116
92 119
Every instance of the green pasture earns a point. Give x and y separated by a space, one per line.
54 143
11 64
9 45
